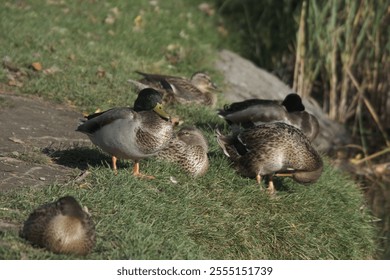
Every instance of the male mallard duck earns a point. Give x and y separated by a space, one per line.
131 133
61 227
272 148
197 90
189 150
252 112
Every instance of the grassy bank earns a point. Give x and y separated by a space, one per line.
89 50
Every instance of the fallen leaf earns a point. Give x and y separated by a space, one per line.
16 140
52 70
110 19
183 34
7 63
207 9
138 22
222 30
173 180
100 72
115 11
82 176
37 66
14 83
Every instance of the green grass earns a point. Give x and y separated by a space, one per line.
95 59
218 216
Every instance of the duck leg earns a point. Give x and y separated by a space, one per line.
284 174
271 187
114 159
136 172
258 179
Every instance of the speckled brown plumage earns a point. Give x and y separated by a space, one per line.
197 90
61 227
189 150
131 133
273 148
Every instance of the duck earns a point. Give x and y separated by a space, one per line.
188 149
131 133
199 89
272 149
252 112
62 227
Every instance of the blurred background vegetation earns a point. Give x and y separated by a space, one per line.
336 51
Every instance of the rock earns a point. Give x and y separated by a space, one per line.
244 80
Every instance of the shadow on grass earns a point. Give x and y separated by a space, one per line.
78 157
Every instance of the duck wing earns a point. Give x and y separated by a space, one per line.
96 121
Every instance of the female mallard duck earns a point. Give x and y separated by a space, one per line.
197 90
131 133
189 150
272 148
252 112
61 227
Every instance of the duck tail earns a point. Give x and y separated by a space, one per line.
137 85
223 141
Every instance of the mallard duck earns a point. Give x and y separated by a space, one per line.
131 133
189 150
197 90
252 112
61 227
272 149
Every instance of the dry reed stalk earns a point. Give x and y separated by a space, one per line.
371 157
299 69
369 107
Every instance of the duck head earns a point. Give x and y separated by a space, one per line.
150 99
203 82
69 206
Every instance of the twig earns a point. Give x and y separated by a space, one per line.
369 106
374 155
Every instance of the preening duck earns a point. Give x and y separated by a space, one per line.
272 149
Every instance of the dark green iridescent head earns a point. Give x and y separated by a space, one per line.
150 99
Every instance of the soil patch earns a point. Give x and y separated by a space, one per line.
36 136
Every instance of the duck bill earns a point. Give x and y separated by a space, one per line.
160 111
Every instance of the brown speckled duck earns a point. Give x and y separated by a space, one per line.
197 90
189 150
61 227
272 149
252 112
131 133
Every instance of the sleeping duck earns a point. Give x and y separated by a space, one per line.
252 112
272 149
197 90
61 227
188 150
131 133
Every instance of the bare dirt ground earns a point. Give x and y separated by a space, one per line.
36 138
